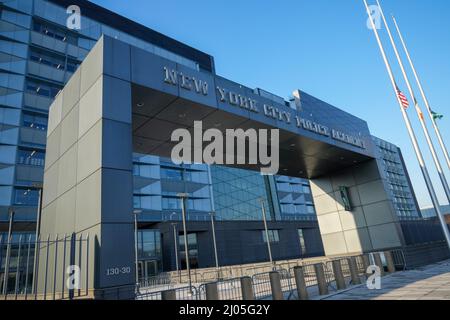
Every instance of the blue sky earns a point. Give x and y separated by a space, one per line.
322 47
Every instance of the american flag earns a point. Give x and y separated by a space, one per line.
403 99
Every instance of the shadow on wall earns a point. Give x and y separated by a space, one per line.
370 225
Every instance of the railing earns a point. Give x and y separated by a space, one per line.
230 289
399 260
60 263
183 293
314 279
156 281
309 274
261 286
57 260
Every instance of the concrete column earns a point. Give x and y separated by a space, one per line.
354 273
301 283
88 179
389 261
321 279
275 284
378 262
211 291
338 275
169 295
372 223
247 289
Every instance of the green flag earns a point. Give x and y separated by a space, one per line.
437 116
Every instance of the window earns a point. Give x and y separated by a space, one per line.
54 61
171 174
43 89
26 197
146 170
174 203
149 244
72 65
301 238
273 236
55 32
136 202
31 157
171 203
35 121
238 193
306 189
192 249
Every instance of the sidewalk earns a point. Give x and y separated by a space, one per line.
428 283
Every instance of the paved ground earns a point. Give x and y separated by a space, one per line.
428 283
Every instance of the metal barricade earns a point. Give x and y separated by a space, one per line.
230 289
399 260
345 268
163 281
361 265
309 274
329 275
261 285
183 293
288 285
150 296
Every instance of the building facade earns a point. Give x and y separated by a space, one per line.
39 56
430 212
392 164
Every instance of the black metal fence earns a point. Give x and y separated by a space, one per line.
60 265
418 231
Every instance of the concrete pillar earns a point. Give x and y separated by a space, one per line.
368 194
301 283
169 295
378 262
389 261
354 273
321 279
247 289
275 284
211 291
338 275
88 179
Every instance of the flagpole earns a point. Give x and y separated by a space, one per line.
410 131
418 109
419 84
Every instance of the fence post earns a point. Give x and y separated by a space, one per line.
321 280
366 262
338 275
301 283
7 261
354 271
247 289
72 261
275 284
389 261
169 295
378 262
211 291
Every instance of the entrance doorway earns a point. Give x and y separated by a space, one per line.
147 269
